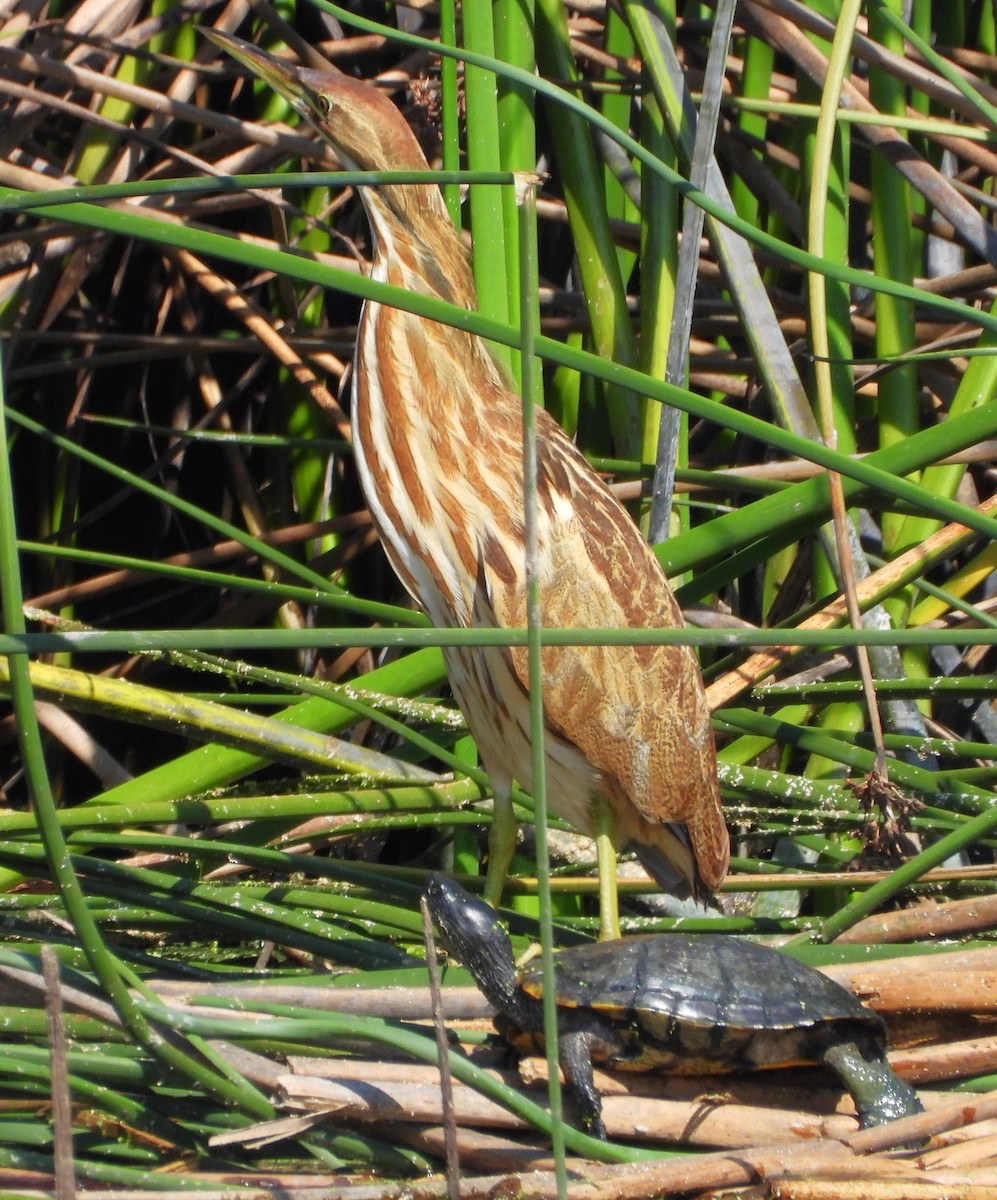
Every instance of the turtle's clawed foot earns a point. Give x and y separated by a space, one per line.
879 1095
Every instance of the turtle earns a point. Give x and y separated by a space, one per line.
676 1003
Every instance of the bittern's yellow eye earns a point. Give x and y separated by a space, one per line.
324 104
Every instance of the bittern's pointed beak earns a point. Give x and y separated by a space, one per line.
287 81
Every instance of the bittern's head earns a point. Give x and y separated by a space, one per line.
368 133
360 123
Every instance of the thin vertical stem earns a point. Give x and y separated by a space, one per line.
693 218
62 1106
837 63
452 1157
513 22
488 229
450 104
531 390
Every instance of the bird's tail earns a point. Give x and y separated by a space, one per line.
675 872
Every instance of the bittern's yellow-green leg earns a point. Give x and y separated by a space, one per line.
502 836
605 852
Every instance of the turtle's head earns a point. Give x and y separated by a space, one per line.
471 932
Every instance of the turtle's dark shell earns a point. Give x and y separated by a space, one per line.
701 1003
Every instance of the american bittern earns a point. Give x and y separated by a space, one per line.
438 441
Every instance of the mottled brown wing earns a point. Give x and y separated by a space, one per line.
638 713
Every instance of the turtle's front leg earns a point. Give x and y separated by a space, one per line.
575 1052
